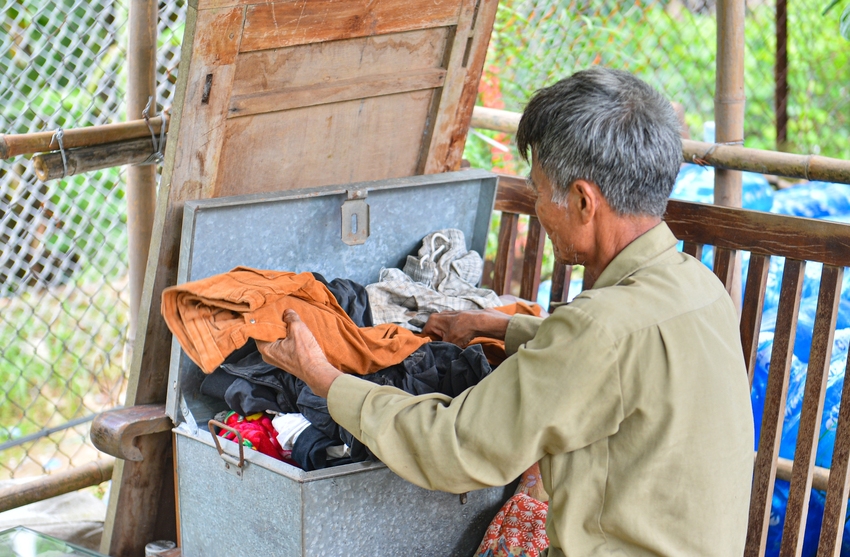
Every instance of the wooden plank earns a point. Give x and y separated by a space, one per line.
290 23
532 260
774 407
324 63
337 91
560 284
785 470
724 266
692 249
835 506
514 195
505 254
751 311
465 63
812 411
322 146
760 233
141 503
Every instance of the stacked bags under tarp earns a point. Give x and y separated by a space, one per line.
818 200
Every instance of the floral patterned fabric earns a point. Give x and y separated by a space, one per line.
519 529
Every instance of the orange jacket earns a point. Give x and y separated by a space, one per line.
213 317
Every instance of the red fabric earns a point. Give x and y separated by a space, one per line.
257 432
519 528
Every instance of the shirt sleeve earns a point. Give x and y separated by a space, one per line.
558 393
521 329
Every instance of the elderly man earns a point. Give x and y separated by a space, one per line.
633 397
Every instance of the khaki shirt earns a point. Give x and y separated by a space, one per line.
633 397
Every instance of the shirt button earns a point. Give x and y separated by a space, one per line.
252 321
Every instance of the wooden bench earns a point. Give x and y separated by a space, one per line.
764 236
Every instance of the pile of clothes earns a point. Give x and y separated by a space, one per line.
217 320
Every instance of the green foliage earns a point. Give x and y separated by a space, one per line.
537 42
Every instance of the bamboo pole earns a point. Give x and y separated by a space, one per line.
93 473
42 142
729 112
780 75
732 157
51 166
141 180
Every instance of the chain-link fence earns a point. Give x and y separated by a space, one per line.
672 44
63 266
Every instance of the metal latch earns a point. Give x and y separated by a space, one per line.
231 465
355 218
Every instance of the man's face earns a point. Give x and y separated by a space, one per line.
559 221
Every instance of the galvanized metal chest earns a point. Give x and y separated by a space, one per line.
267 507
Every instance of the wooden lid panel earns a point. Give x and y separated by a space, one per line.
280 24
324 144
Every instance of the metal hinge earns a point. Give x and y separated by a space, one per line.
355 218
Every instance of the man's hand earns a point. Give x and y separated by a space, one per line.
460 327
300 355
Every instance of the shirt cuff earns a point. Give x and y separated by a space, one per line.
521 329
345 401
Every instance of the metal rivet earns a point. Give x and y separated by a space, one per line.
252 321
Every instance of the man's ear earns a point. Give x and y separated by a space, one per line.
587 199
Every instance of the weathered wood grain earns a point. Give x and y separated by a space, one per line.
323 145
724 266
514 195
774 407
532 260
560 284
760 233
797 508
464 66
326 63
835 506
50 166
505 253
336 91
114 432
290 23
751 310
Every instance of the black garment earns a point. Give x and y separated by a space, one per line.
310 450
436 367
352 298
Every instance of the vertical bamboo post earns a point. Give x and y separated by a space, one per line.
780 74
141 180
729 109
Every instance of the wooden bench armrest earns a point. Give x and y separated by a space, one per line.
114 432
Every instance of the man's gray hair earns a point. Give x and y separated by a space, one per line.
610 128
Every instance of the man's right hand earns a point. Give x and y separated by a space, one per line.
460 327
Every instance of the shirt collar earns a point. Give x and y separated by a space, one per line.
644 250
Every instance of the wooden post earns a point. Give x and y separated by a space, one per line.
141 502
729 110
